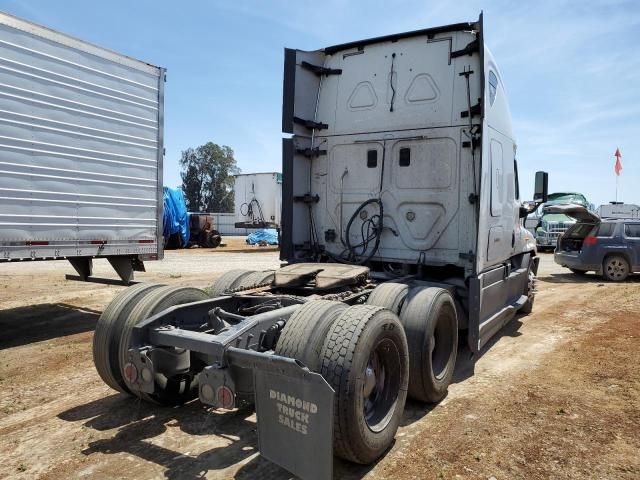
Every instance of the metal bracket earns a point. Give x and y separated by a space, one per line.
142 371
467 256
318 70
307 198
470 49
217 388
475 142
311 152
310 124
475 110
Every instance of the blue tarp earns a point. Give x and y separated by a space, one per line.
175 218
268 236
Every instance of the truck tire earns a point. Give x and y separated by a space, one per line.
389 295
213 239
172 388
304 333
227 281
365 359
255 279
431 325
106 338
615 268
530 292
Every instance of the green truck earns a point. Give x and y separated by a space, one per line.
547 227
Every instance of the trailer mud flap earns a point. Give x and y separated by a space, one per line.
295 422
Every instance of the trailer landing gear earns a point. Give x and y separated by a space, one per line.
124 266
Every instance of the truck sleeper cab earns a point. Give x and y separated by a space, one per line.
401 231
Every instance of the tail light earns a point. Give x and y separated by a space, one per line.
590 240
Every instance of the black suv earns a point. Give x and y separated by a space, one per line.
609 247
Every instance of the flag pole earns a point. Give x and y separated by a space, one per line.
617 169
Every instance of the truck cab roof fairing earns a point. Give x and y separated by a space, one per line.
455 27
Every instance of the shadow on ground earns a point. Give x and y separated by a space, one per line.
35 323
137 423
570 277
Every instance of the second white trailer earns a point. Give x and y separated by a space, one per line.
258 200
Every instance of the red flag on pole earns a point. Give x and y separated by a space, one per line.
618 167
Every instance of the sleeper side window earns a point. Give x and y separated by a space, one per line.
515 171
493 86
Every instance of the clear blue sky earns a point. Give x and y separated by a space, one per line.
572 71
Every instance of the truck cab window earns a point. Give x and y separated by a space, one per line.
493 86
515 176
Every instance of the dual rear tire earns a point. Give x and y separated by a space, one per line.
113 339
361 351
428 316
402 342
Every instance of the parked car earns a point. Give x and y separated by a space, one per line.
610 247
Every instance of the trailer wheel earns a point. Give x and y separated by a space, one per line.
227 281
255 279
615 268
365 359
431 325
214 239
173 387
389 295
106 338
305 331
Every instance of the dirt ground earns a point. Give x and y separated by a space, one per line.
555 395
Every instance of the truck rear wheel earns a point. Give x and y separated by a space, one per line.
255 279
304 333
365 359
227 281
389 295
172 386
431 325
106 338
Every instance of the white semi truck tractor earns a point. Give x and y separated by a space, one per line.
402 235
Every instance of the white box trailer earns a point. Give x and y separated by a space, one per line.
618 210
258 200
81 150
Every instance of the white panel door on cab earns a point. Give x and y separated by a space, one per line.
501 205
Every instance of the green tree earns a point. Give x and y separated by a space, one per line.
207 178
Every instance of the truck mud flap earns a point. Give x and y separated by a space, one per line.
295 421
